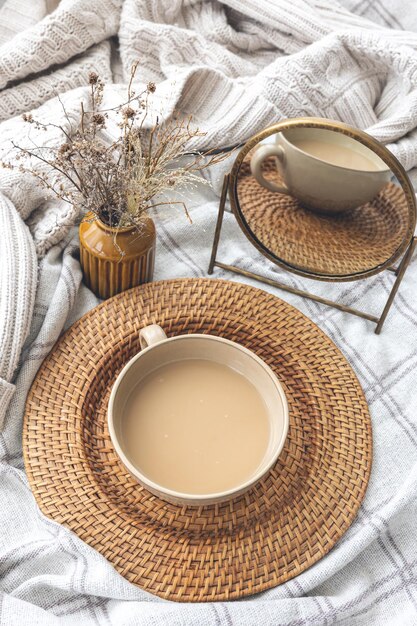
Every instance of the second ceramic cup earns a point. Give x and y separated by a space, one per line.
319 184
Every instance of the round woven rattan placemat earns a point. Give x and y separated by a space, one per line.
280 527
332 245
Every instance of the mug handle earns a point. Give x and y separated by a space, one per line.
150 335
262 153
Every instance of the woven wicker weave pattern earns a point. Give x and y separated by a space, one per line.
340 245
276 530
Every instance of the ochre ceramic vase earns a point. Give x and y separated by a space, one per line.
116 259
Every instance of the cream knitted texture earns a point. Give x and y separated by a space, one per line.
235 65
31 93
18 273
72 28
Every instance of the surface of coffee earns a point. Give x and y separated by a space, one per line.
195 426
336 154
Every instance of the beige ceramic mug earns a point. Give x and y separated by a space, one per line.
317 183
158 350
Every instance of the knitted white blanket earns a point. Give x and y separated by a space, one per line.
236 66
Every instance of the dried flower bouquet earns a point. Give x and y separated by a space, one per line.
117 181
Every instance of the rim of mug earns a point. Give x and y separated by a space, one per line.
190 497
339 167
